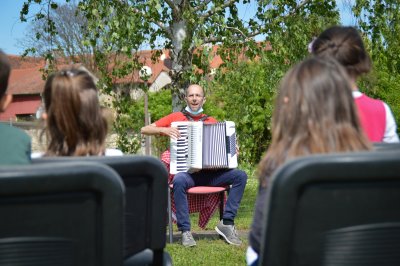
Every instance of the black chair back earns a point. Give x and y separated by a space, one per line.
318 203
382 146
61 214
145 180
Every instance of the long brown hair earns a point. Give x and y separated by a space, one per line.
346 46
314 113
75 124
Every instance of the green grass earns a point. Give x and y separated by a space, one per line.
216 251
208 252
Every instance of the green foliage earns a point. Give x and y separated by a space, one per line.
208 252
126 124
130 119
244 91
379 21
117 30
243 96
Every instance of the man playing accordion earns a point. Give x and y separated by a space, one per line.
183 180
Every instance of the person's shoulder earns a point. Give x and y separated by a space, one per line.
364 96
37 154
211 119
113 152
176 116
168 119
14 133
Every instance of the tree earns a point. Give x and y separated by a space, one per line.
255 82
123 26
379 21
71 27
188 29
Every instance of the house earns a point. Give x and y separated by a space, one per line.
26 85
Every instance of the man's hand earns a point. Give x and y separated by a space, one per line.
172 132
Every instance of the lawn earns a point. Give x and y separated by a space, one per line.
211 250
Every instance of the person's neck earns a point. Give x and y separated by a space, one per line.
353 84
196 116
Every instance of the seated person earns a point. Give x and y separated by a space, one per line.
75 124
346 46
314 113
183 181
15 144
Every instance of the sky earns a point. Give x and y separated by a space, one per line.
12 29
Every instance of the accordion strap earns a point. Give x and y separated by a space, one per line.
190 118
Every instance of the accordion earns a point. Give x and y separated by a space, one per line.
203 146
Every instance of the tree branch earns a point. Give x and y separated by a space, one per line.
223 6
158 23
173 7
202 5
213 39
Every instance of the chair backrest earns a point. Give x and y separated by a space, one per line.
64 214
317 203
145 180
382 146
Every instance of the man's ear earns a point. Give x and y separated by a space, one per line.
204 99
5 101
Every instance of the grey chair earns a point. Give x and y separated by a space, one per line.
382 146
68 214
145 180
339 209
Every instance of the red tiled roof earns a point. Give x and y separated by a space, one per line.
25 77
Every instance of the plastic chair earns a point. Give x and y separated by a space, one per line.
200 190
61 214
145 180
337 209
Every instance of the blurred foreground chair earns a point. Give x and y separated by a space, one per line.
68 214
382 146
145 180
340 209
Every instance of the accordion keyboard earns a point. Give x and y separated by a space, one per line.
179 150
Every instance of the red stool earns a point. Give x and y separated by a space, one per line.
197 190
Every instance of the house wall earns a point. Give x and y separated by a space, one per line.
21 105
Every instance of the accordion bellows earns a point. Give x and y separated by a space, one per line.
203 146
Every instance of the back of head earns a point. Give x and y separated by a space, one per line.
314 113
346 46
75 124
4 73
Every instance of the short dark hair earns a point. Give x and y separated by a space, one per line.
5 69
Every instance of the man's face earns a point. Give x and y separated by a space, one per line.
195 97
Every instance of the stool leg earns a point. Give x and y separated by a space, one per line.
170 216
221 204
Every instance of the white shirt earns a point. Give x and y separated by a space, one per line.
108 152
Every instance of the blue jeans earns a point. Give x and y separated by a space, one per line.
183 181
